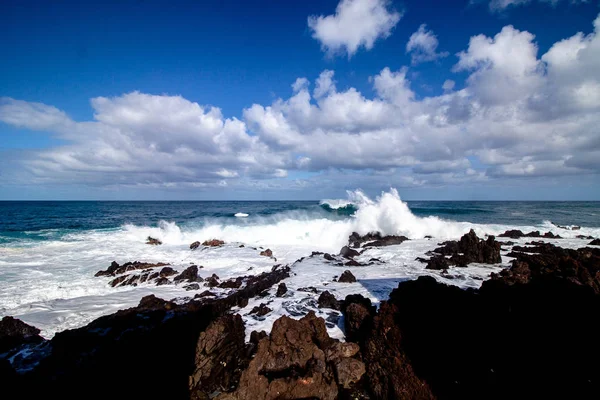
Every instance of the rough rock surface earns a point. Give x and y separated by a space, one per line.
190 274
469 249
213 243
516 234
116 269
298 361
347 252
328 300
15 333
267 253
220 357
281 290
595 242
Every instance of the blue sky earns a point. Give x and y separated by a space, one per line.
194 100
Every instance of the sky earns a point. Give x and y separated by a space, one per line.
268 100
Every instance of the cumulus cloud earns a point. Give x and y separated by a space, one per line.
520 115
355 24
422 46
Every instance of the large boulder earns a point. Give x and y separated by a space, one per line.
15 333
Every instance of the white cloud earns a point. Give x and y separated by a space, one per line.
519 116
422 45
355 24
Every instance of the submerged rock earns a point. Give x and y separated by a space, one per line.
153 241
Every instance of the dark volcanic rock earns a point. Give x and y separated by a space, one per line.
153 343
267 253
153 241
194 245
212 281
347 277
220 354
116 269
189 274
347 252
595 242
328 300
232 283
15 333
281 290
358 316
192 286
166 272
353 263
213 243
516 234
387 241
469 249
328 257
260 310
298 361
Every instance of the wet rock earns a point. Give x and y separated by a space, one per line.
220 355
192 286
189 274
15 333
194 245
267 253
595 242
256 337
116 269
347 277
167 271
347 252
260 310
353 263
206 293
281 290
516 234
212 281
162 281
310 289
292 363
232 283
328 257
153 241
328 300
213 243
469 249
358 316
387 241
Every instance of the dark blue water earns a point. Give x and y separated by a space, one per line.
32 220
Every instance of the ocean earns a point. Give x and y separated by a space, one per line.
50 251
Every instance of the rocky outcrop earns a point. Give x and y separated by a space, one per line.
387 241
516 234
194 245
213 243
116 269
347 252
267 253
595 242
299 361
374 239
15 333
347 277
281 290
328 300
153 241
220 357
469 249
260 310
190 274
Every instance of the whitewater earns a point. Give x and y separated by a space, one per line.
47 275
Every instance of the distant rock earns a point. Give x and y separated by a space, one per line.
267 253
328 300
595 242
213 243
516 234
281 290
116 269
347 252
194 245
347 277
153 241
260 310
189 274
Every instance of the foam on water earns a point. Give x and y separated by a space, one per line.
50 283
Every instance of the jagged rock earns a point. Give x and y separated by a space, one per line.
256 336
595 242
167 271
347 277
310 289
356 240
189 274
267 253
328 257
194 245
116 269
469 249
219 355
281 290
212 281
358 315
516 234
292 363
260 310
15 333
347 252
387 241
328 300
213 243
162 281
192 286
153 241
232 283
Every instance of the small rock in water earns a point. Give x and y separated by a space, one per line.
328 300
347 277
267 253
153 241
348 252
260 310
194 245
213 243
281 290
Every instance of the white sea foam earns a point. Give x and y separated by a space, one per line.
51 283
240 215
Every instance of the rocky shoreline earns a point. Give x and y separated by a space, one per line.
528 332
